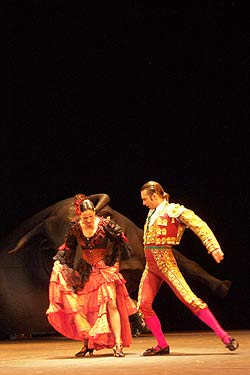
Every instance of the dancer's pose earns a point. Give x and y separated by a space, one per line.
163 229
89 301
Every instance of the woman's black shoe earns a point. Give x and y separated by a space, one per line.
84 351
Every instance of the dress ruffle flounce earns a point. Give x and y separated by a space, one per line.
84 315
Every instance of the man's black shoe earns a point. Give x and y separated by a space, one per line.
157 351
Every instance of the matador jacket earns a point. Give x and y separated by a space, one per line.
169 225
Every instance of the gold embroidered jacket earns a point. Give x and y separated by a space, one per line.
170 224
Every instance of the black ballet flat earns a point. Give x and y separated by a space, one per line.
157 351
84 351
232 345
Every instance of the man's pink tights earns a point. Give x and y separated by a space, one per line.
208 318
204 315
154 325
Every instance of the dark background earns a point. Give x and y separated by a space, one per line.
104 97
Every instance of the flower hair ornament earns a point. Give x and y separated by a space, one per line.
78 199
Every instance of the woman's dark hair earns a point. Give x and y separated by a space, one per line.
86 205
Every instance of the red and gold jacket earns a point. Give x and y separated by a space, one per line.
169 225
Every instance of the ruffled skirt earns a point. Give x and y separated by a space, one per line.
85 315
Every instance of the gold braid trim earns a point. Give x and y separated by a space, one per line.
201 229
174 209
166 263
143 277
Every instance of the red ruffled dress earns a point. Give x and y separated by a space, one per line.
83 314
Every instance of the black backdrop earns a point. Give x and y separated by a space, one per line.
102 98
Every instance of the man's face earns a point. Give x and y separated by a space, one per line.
148 200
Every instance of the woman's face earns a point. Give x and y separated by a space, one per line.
88 217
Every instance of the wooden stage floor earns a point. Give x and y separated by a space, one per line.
199 353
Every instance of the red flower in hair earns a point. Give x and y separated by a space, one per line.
78 198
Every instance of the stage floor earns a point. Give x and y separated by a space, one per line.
199 353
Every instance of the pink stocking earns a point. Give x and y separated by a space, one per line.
154 325
208 318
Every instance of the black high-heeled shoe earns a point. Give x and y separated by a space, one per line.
84 351
117 349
